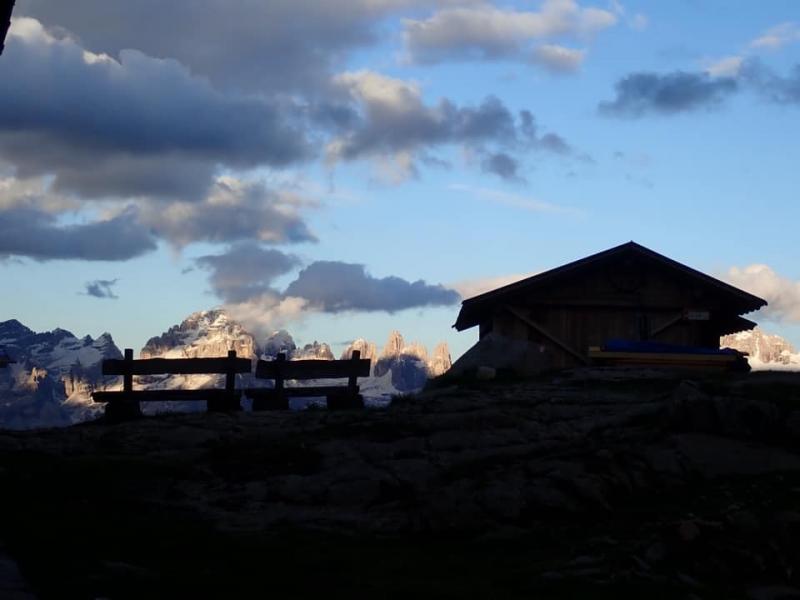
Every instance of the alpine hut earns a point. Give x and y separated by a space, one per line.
626 305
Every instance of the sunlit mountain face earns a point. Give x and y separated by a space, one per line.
765 351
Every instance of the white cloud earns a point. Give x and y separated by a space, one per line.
773 38
514 200
268 312
725 67
486 32
33 193
558 59
472 287
778 36
782 293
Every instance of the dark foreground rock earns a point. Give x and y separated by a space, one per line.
596 484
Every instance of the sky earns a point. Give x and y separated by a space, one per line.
345 168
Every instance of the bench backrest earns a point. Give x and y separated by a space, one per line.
282 369
127 367
177 366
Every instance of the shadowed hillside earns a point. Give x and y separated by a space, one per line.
596 484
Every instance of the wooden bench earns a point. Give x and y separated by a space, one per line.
337 396
125 404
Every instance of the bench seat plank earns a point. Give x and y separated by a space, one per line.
165 395
301 391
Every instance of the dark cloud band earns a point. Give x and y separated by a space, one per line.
639 94
337 286
247 271
38 235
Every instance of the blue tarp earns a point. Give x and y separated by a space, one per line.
620 345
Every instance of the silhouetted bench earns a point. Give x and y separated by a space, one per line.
337 396
125 404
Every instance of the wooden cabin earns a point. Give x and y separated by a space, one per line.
566 316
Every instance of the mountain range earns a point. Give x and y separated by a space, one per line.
53 376
54 373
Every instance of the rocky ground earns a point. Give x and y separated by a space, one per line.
596 483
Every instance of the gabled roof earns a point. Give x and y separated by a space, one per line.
472 308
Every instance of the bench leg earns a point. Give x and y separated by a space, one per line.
123 410
345 401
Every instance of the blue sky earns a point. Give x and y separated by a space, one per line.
449 143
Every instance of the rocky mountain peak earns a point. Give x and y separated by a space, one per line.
440 362
765 350
313 351
202 334
394 346
416 350
367 350
12 330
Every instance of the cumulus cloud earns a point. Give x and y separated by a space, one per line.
101 288
395 118
33 193
639 94
234 210
135 125
781 293
488 32
279 45
246 271
267 312
672 93
337 286
40 235
394 123
40 223
244 278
